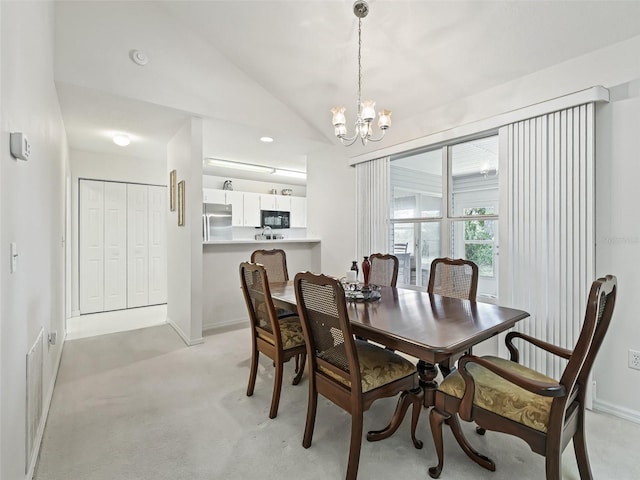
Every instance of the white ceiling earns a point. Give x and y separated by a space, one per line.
254 68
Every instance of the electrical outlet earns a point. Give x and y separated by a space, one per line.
634 359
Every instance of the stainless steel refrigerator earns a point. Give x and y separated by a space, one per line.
216 222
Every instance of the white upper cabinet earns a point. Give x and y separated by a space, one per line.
298 212
246 206
275 202
211 195
251 209
236 200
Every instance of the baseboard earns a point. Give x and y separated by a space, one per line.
226 326
45 413
618 411
183 335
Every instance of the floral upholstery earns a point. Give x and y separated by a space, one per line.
378 366
290 331
497 395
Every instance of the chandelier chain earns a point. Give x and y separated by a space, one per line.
359 65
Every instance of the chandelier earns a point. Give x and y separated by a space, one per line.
366 110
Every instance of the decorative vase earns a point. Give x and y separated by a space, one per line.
354 267
366 266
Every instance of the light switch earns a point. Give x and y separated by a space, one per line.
14 257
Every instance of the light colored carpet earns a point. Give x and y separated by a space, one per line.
141 405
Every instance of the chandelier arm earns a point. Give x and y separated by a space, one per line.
348 141
371 139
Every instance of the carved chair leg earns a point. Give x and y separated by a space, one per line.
277 388
254 370
552 466
356 443
580 449
299 368
480 459
436 419
311 414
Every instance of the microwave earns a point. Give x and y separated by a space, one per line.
274 219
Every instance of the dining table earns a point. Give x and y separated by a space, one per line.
427 326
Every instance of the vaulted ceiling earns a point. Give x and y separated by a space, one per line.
254 68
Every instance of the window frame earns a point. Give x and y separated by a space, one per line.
447 217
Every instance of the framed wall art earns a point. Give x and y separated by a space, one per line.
172 190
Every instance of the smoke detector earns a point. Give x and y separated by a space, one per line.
139 57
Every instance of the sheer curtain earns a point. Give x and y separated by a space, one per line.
547 226
372 207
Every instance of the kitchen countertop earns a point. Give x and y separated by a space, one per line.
253 242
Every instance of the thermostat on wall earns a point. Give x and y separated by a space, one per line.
20 146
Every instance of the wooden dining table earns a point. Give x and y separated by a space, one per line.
427 326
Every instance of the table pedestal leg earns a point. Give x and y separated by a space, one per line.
427 373
407 398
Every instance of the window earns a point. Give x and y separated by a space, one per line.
453 214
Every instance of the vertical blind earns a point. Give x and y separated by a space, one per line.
372 207
547 227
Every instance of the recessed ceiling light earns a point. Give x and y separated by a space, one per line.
121 140
266 139
139 57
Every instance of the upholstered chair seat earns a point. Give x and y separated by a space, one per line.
290 332
378 366
504 398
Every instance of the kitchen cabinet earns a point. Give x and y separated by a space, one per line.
211 195
251 209
298 217
275 202
236 200
246 206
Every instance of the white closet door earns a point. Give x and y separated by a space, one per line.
115 246
138 246
157 245
91 246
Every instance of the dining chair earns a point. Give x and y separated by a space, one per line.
504 396
280 339
349 372
400 247
384 269
453 278
456 278
275 263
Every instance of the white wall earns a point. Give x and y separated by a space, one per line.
184 244
31 214
617 127
618 244
223 303
331 207
100 166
